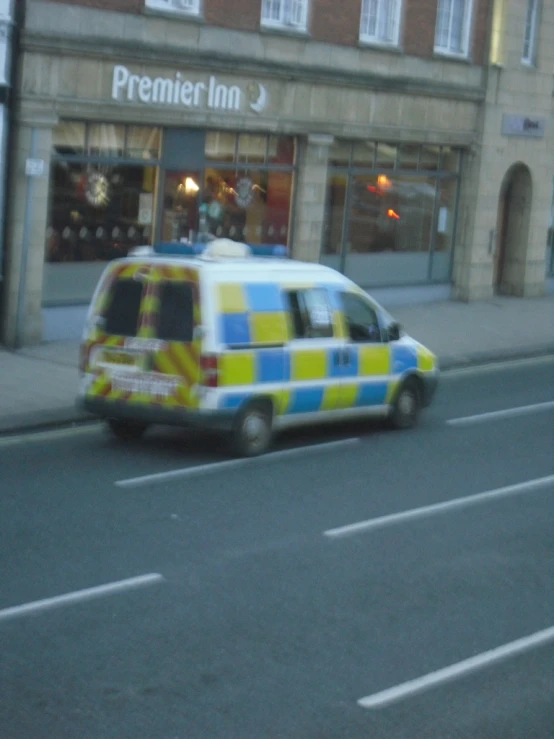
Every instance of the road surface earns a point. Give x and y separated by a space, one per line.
375 584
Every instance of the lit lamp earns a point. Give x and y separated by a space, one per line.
190 186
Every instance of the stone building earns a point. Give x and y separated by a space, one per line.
407 143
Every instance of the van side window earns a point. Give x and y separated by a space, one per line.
361 319
311 314
176 317
122 316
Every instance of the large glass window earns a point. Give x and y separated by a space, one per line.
391 212
98 212
244 193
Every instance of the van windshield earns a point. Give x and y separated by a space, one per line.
123 312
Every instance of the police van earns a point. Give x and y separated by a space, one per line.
244 344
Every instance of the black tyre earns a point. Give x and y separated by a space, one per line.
253 433
407 406
127 430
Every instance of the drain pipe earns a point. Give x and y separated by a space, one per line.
13 56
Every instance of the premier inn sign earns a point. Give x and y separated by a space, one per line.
178 91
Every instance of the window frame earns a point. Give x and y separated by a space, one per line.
530 60
169 7
376 40
466 30
304 314
285 22
366 302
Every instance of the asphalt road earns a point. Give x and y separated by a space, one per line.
266 614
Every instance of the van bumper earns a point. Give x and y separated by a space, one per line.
219 420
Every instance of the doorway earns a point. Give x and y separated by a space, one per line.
514 216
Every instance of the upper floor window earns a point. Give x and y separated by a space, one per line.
291 14
380 21
453 26
530 35
182 7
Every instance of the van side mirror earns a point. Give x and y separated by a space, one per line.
394 331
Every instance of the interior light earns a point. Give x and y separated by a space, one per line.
190 186
383 181
393 214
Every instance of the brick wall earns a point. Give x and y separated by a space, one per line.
331 21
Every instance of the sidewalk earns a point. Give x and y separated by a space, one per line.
38 385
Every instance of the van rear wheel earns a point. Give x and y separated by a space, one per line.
127 430
252 434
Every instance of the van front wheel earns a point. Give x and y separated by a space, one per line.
126 430
252 434
406 408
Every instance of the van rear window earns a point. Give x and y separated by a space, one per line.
176 318
123 312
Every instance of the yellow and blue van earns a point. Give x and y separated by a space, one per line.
243 344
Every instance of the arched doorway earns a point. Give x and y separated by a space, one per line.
514 216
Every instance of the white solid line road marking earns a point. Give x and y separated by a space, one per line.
509 364
480 661
80 595
449 505
522 410
50 434
229 464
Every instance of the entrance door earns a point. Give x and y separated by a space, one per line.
180 211
500 253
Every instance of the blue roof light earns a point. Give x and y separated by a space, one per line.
191 250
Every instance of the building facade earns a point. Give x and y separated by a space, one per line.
406 143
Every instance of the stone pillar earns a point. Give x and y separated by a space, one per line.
311 186
18 189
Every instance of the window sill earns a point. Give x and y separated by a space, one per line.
174 15
289 31
366 43
528 65
452 56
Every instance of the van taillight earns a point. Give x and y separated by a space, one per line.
210 370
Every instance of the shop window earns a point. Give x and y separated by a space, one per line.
281 150
429 158
445 223
123 312
98 212
250 205
530 33
176 317
364 154
386 156
453 27
182 7
450 160
180 206
380 22
290 14
408 156
311 314
69 138
340 153
220 146
106 140
334 214
252 149
143 142
391 214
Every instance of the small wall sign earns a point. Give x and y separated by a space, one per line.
521 125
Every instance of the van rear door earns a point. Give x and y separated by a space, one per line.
143 346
